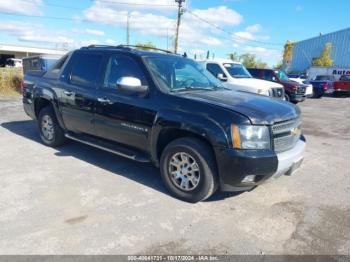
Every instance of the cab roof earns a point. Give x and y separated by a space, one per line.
220 61
131 49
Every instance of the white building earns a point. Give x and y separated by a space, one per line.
15 51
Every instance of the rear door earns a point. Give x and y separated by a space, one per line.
123 117
78 91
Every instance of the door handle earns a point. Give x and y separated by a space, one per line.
104 101
68 93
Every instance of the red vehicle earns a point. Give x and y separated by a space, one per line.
343 85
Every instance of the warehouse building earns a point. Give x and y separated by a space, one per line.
15 51
305 51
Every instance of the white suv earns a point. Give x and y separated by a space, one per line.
236 77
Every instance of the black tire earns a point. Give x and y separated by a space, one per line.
58 137
202 154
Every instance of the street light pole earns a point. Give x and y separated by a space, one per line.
179 13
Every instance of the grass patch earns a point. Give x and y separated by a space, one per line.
10 81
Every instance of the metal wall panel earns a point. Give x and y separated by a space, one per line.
305 51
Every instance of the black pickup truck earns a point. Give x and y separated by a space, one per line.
166 109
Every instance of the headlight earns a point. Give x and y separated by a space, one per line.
263 92
250 137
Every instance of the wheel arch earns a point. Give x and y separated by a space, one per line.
42 101
166 131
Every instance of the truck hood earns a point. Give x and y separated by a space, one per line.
253 82
290 83
259 109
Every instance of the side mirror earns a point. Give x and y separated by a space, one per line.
131 84
221 77
274 79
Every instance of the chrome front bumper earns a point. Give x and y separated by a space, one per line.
290 161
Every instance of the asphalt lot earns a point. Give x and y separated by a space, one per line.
81 200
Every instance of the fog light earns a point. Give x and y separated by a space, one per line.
249 179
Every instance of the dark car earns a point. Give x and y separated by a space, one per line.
168 110
294 91
322 84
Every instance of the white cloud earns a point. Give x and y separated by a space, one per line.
220 15
250 33
192 30
34 33
27 7
156 5
111 42
94 32
254 28
244 36
263 53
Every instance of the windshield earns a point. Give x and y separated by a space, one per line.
323 78
282 76
345 78
237 70
181 74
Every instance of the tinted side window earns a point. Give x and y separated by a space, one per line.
122 66
254 73
215 69
268 75
85 70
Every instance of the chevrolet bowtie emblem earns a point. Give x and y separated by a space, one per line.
295 131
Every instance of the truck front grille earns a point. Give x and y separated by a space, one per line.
301 90
286 134
277 92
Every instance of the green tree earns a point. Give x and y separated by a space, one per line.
261 64
326 57
234 56
278 66
145 46
248 60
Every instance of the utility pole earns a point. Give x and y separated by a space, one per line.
167 39
127 28
179 13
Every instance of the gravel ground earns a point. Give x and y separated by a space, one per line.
81 200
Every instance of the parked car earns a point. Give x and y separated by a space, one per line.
302 79
294 92
337 72
168 110
343 85
322 84
13 62
236 77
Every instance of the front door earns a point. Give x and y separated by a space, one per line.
123 117
78 91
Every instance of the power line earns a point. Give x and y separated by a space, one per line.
43 17
140 4
230 33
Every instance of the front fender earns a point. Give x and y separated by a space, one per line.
203 126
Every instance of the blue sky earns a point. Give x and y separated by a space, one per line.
260 27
